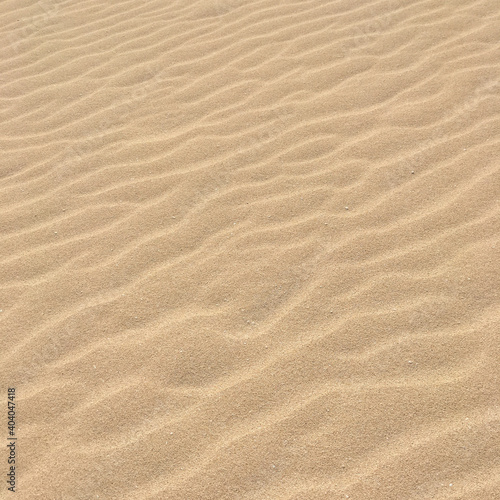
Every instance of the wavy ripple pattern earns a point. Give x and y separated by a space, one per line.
250 249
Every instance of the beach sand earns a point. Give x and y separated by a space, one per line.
250 249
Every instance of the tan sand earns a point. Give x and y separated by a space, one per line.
250 249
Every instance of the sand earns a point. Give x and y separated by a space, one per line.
250 249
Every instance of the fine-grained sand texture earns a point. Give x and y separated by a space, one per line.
250 249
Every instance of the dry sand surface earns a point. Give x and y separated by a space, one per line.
250 249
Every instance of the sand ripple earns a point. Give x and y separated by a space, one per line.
250 248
